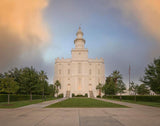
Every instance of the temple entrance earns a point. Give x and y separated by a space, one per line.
90 87
68 87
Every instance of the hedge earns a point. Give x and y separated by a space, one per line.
139 98
13 97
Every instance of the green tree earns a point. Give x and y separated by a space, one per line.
43 82
143 90
134 89
1 76
110 88
116 76
99 87
120 88
51 90
30 80
57 87
16 74
152 76
8 85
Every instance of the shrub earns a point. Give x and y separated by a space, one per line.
86 95
20 97
104 96
138 97
98 96
73 95
60 95
79 96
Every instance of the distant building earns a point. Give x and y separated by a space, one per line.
79 74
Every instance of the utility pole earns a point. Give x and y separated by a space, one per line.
129 72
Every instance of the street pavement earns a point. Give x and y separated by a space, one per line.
37 115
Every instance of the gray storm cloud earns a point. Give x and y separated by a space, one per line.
23 32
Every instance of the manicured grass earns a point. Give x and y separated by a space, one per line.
84 103
153 104
17 104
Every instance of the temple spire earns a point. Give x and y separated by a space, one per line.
79 33
79 41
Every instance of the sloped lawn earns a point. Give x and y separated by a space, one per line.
17 104
84 103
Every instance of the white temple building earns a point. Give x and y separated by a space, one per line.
79 74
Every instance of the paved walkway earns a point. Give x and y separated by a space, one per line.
36 115
43 104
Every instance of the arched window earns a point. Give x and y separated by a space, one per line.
90 71
68 71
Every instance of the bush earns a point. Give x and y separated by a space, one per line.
104 96
86 95
60 95
73 95
138 97
79 96
98 96
14 97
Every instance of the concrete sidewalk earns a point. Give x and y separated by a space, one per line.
36 115
43 104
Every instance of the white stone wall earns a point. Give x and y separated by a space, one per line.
79 74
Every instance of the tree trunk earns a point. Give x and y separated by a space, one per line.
30 96
120 97
8 98
43 95
43 92
135 97
100 92
116 82
112 96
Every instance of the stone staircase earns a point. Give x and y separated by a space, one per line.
67 94
91 94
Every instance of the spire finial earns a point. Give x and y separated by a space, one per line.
79 33
80 26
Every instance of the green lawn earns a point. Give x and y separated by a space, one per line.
84 103
153 104
17 104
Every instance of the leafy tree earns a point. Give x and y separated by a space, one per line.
143 90
152 76
108 79
8 85
99 87
16 74
57 87
43 82
30 80
110 88
134 89
1 76
51 90
116 76
120 88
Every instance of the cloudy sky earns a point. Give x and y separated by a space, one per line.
123 32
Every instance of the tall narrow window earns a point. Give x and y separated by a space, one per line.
59 71
68 71
79 84
79 67
98 71
90 71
